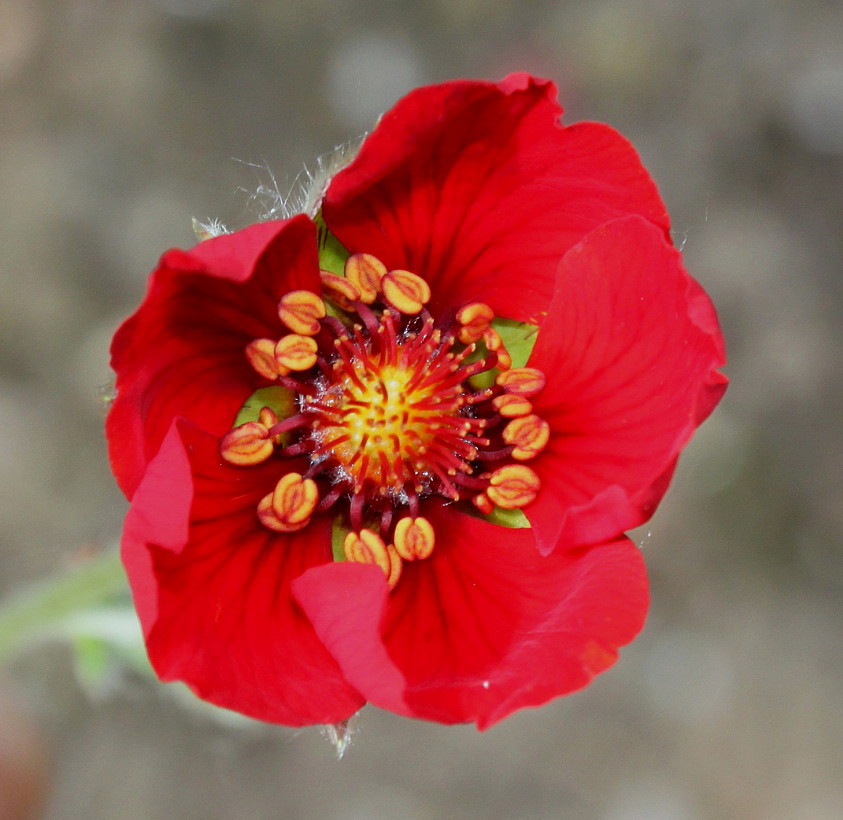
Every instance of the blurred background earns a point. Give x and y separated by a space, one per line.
122 119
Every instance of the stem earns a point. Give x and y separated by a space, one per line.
41 608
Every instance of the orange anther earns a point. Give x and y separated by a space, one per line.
511 405
269 518
301 311
296 352
367 547
524 381
267 417
365 272
529 434
414 538
405 291
483 504
474 318
492 340
261 355
247 444
339 290
295 498
513 486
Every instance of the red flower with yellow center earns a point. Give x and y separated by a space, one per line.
388 453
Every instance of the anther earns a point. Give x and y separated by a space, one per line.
367 547
294 499
270 519
341 291
494 342
483 504
365 272
405 291
528 434
261 355
246 445
296 352
513 486
414 538
511 405
301 311
523 381
474 318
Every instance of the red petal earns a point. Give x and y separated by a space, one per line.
212 587
182 351
632 346
479 189
483 627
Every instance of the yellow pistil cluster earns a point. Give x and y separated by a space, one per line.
386 414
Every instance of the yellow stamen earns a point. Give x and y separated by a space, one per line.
341 291
301 311
365 272
529 434
295 498
405 291
483 504
513 486
474 318
247 444
270 519
367 547
523 381
261 355
395 566
414 538
493 342
296 352
511 405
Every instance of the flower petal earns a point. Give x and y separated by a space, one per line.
633 346
182 352
212 587
483 627
479 189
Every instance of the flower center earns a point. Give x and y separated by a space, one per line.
389 413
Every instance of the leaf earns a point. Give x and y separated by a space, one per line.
332 254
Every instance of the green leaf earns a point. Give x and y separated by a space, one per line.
281 400
515 519
519 338
338 534
332 254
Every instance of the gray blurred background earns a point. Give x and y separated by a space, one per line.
121 119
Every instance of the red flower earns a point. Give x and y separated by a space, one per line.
513 341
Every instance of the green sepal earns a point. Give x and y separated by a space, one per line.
332 254
338 534
519 338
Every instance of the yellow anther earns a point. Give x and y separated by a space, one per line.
414 538
296 352
474 318
367 547
341 291
523 381
405 291
483 504
294 499
267 417
529 434
270 519
365 272
247 444
511 405
492 340
513 486
301 311
395 565
261 355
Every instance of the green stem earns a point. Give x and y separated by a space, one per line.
40 609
